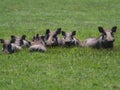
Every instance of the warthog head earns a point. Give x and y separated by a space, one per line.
37 39
107 37
69 39
20 41
51 37
37 44
9 47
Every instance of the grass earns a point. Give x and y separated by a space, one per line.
60 68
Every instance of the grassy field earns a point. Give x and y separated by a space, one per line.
60 68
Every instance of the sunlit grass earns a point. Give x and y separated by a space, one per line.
60 68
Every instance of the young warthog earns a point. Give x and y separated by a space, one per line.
106 40
51 38
70 40
20 41
9 47
37 44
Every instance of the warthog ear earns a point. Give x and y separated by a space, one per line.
42 37
58 31
47 31
101 30
37 36
63 33
33 38
9 46
12 40
13 37
29 42
23 37
73 33
2 41
114 29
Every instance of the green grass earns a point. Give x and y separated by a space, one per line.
60 68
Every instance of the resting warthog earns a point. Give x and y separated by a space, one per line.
51 38
9 47
106 40
70 40
37 44
20 41
15 44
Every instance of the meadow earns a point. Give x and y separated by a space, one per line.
60 68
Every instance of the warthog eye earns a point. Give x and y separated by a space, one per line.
103 36
9 46
104 33
53 39
21 42
112 34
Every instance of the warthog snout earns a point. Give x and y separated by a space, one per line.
67 43
109 41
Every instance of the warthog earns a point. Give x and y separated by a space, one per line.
37 44
51 38
106 40
9 47
70 40
20 41
15 44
